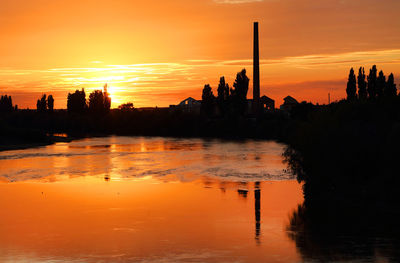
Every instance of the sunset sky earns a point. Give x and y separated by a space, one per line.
157 53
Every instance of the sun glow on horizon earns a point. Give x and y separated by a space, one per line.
159 53
161 84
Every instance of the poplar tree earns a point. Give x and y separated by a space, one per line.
390 90
351 89
41 104
372 82
50 103
362 84
380 84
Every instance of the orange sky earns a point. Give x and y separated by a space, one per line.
159 52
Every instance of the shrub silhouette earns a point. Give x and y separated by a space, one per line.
126 106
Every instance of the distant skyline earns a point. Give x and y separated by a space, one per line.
157 53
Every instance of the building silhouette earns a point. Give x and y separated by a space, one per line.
289 103
267 103
188 105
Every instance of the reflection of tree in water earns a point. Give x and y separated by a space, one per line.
357 234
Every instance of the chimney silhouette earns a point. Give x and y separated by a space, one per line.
256 71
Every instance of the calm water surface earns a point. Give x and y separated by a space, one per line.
133 199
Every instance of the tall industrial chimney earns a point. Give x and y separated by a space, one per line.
256 71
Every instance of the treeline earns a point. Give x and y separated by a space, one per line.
346 153
99 102
27 128
374 86
229 101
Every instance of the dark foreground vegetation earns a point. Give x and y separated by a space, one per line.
346 155
349 150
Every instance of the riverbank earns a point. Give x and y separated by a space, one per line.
8 143
26 128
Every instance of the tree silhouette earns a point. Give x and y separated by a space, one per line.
107 100
380 84
99 101
239 93
96 101
208 99
50 103
76 101
41 104
362 84
223 95
372 82
226 92
221 89
6 103
351 86
390 90
126 106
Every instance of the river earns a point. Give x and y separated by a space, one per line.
148 199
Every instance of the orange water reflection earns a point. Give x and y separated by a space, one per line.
89 219
133 157
167 209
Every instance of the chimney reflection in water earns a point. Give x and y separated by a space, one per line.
257 203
